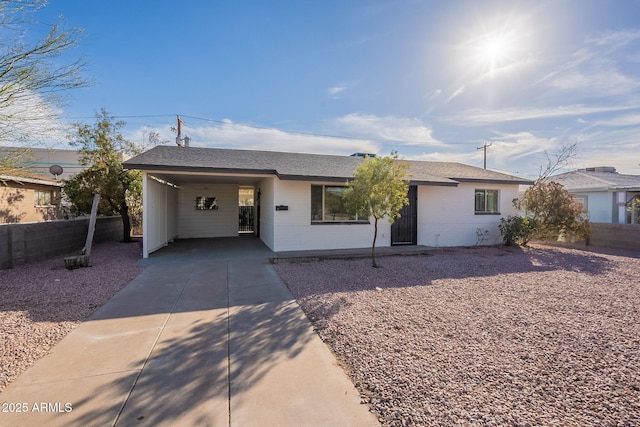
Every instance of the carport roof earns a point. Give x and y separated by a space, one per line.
299 166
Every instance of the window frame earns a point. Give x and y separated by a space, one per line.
325 221
51 196
486 192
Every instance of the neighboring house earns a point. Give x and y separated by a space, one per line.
30 198
191 192
607 196
39 160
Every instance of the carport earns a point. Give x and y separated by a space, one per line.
199 206
244 246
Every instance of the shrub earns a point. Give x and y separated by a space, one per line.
555 211
517 230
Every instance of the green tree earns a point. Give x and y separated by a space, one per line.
379 189
555 211
33 78
102 150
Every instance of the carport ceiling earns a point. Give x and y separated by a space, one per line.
184 179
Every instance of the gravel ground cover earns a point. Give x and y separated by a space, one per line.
484 336
42 302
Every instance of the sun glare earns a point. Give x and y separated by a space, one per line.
494 52
496 49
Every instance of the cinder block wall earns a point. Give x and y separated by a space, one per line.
24 243
619 236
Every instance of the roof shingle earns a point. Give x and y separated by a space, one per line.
583 180
299 165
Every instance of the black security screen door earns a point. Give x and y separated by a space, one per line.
404 230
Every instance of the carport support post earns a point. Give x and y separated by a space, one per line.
145 219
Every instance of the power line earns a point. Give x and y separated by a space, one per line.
293 132
320 135
127 117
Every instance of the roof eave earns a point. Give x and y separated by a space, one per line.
314 178
26 180
495 181
434 183
199 169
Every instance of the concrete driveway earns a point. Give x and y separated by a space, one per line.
206 335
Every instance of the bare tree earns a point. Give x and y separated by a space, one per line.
32 78
549 209
13 161
557 160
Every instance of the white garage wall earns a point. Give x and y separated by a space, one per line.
159 214
293 229
194 223
446 215
172 213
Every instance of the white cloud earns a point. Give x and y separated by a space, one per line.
440 156
606 80
512 147
239 136
624 120
597 67
615 38
456 93
337 89
484 117
27 119
436 93
401 130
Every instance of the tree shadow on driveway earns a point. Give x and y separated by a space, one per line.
206 353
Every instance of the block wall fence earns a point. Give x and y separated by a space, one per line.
618 236
30 242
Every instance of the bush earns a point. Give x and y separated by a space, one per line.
517 230
555 211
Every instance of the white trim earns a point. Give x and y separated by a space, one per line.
145 217
20 179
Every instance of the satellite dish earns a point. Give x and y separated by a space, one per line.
56 170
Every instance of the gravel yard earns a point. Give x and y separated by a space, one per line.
484 336
42 302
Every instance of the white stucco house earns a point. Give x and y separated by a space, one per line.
192 192
608 196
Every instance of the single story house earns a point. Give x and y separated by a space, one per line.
192 192
29 198
606 195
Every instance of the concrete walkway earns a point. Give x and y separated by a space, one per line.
193 340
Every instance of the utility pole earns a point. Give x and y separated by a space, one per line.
484 147
180 141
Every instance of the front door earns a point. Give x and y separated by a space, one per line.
404 230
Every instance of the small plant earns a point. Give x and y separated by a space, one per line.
517 230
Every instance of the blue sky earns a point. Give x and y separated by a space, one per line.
433 80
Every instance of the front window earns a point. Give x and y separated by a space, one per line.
486 202
327 204
633 210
